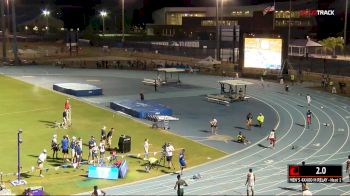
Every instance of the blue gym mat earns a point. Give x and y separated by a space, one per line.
141 109
78 89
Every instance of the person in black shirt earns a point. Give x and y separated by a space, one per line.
249 120
103 133
65 120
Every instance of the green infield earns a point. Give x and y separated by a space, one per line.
35 110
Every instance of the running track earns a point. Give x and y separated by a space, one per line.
318 145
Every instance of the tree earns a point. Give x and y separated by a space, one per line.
331 43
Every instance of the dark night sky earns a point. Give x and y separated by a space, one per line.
77 13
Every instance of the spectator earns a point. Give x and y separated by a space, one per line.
103 133
78 153
94 154
102 148
54 146
65 144
41 160
65 119
142 96
169 155
72 149
92 144
109 138
146 147
80 143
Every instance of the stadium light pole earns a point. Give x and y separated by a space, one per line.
46 14
103 14
345 21
217 32
123 22
3 27
14 29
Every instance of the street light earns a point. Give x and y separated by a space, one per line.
103 14
46 14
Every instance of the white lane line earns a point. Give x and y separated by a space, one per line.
319 150
333 132
93 80
156 182
232 189
253 154
318 129
238 168
25 111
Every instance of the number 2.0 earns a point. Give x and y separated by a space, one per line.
321 170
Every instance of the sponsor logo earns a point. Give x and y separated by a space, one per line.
316 13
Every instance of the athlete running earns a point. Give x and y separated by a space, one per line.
272 138
348 166
308 118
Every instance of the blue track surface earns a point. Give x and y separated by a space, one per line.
318 145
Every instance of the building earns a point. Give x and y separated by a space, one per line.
191 22
40 23
199 23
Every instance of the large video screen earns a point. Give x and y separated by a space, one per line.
264 53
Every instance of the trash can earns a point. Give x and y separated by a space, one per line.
124 144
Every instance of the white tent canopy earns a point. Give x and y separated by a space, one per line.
209 61
300 47
311 43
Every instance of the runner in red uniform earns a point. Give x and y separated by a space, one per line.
308 118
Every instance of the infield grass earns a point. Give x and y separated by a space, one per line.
34 109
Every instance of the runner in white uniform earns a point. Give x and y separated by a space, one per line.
308 99
272 138
348 166
250 182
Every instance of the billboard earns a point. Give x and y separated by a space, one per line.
263 53
103 172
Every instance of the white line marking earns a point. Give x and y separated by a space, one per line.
25 111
